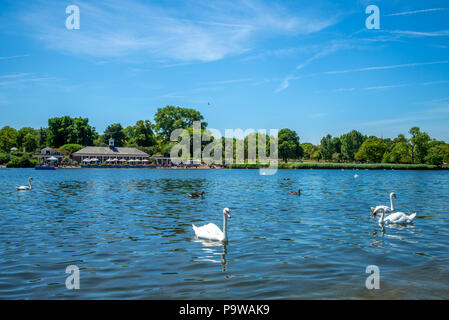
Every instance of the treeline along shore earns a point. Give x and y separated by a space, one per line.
353 150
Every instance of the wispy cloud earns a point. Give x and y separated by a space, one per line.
405 65
442 33
213 31
20 79
14 57
324 52
343 89
386 87
285 83
415 12
230 81
327 50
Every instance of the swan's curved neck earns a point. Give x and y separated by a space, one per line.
224 227
381 219
29 183
391 202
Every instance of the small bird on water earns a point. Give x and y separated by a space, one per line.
195 194
296 193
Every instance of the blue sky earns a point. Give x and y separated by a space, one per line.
311 66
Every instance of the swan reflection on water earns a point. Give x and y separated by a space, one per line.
212 251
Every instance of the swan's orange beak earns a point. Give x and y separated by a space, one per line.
229 216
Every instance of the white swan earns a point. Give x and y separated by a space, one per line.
28 187
386 209
394 218
210 231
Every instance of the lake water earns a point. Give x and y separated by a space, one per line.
129 232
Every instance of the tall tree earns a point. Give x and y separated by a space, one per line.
420 144
371 150
115 131
65 130
399 151
22 133
141 134
8 138
169 118
288 145
42 137
30 142
350 144
327 147
308 149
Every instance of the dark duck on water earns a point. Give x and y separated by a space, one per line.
296 193
195 194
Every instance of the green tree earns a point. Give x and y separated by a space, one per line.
8 138
316 154
308 149
42 137
22 133
116 132
71 148
399 151
65 130
288 145
371 150
169 118
30 142
350 144
141 134
81 132
437 155
4 158
327 148
21 162
420 144
336 142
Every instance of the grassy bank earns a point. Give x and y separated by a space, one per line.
329 165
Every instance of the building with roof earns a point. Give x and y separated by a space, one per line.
111 155
48 154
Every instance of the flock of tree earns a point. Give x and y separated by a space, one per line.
71 134
353 146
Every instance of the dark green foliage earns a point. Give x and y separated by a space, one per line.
4 158
288 145
170 118
350 144
67 130
116 132
21 162
71 148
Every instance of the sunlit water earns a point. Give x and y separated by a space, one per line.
129 231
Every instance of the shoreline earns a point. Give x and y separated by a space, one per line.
294 167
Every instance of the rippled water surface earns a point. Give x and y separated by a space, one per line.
129 231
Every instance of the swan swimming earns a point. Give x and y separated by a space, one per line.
385 208
28 187
394 218
210 231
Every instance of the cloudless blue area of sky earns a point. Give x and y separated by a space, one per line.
311 66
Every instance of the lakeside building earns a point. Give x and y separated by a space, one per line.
111 155
47 155
162 161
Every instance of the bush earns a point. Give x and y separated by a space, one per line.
21 162
4 158
71 148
